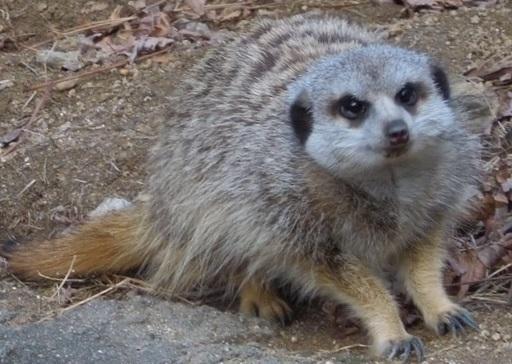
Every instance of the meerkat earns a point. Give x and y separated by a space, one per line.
307 152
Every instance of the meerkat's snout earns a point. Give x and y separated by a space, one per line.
397 134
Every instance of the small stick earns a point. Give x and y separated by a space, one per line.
343 348
79 29
99 294
448 348
60 279
503 278
29 100
26 188
96 71
33 117
64 280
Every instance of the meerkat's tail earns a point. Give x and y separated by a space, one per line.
108 244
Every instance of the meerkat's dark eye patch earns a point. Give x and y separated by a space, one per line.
301 117
352 108
441 81
408 95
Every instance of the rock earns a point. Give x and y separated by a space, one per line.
142 329
66 85
69 61
109 205
42 7
5 84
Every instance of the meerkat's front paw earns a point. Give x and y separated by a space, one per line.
256 300
402 349
454 320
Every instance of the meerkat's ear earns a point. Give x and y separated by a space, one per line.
301 116
441 81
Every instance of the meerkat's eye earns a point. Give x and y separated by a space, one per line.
408 95
352 108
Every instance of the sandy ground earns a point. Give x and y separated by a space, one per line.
90 142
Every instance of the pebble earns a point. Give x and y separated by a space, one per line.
42 7
294 339
6 84
66 85
484 333
496 336
474 19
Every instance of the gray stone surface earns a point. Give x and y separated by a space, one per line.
141 329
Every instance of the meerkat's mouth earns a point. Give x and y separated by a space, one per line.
395 152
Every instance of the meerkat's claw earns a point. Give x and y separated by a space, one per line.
402 350
456 322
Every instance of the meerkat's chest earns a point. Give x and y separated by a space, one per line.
398 214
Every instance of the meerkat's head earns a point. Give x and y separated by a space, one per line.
371 107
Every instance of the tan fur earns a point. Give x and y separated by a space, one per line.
257 299
105 245
352 283
422 273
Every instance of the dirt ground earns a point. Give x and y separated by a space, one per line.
90 142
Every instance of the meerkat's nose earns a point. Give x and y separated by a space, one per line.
397 133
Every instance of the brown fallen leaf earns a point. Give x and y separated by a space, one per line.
473 265
497 69
156 24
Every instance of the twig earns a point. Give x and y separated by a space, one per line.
26 188
60 279
448 348
503 278
95 24
486 299
31 69
250 5
79 29
64 280
99 294
44 99
52 83
29 100
343 348
144 286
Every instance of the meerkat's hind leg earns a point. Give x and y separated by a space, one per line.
259 299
